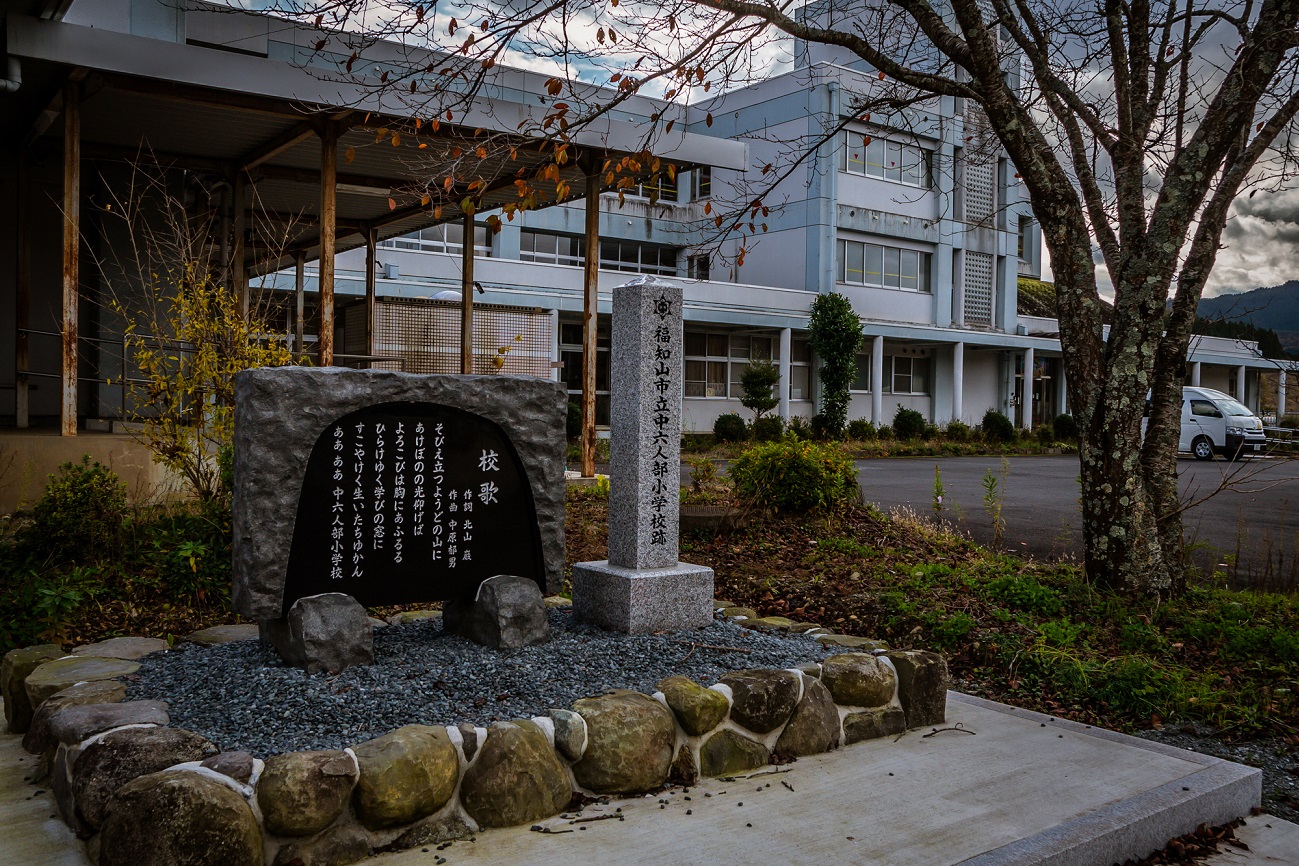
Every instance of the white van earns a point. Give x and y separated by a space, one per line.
1214 423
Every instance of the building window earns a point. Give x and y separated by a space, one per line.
716 361
638 258
1025 236
444 238
551 249
701 183
888 160
910 375
697 267
863 380
865 264
570 353
663 190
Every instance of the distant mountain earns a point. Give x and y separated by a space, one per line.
1276 308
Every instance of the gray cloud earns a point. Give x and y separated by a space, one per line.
1260 244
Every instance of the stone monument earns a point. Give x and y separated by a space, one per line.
370 487
642 587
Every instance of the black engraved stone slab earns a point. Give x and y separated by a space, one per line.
411 502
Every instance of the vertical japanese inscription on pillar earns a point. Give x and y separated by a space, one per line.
408 502
662 420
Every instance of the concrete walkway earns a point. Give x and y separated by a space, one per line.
1022 789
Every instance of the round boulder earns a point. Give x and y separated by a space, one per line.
39 740
55 676
301 793
726 753
179 818
698 710
516 778
762 700
405 774
814 727
631 739
18 664
121 756
859 680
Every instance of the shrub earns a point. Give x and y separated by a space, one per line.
1066 428
908 423
758 384
930 432
793 475
821 428
798 428
1288 421
730 428
80 514
957 431
997 427
834 331
1045 434
768 428
885 433
861 430
573 422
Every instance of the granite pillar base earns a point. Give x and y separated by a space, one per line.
641 601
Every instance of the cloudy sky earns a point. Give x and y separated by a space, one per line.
1260 244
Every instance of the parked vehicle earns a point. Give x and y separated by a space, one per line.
1215 423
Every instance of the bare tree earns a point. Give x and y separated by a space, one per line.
1133 124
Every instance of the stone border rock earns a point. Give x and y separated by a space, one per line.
142 793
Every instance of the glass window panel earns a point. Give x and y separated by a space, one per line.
455 233
863 380
925 263
911 167
762 348
854 153
629 254
527 242
601 369
888 374
873 266
875 157
717 378
893 163
602 410
901 375
696 375
570 334
572 370
737 371
696 343
892 259
740 347
800 351
717 345
909 272
853 262
798 382
920 376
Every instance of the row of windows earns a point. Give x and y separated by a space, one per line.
903 374
716 361
865 264
615 255
887 160
669 192
444 238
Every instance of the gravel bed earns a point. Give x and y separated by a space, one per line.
240 696
1278 760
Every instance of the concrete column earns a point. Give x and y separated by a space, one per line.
1240 383
1195 374
877 380
1280 394
958 381
467 295
1027 420
786 349
1062 393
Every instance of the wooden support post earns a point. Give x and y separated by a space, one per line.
238 274
299 303
371 242
590 316
71 252
328 215
23 297
467 297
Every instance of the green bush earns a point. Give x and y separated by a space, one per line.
799 428
758 385
793 475
997 427
957 431
861 430
1066 428
1290 422
822 429
834 332
768 428
930 432
908 423
730 428
80 515
1045 434
885 433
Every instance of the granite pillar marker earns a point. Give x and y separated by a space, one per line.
642 587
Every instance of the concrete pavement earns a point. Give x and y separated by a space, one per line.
1021 789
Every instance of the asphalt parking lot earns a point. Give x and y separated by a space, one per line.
1249 529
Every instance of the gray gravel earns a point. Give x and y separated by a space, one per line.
240 696
1278 760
